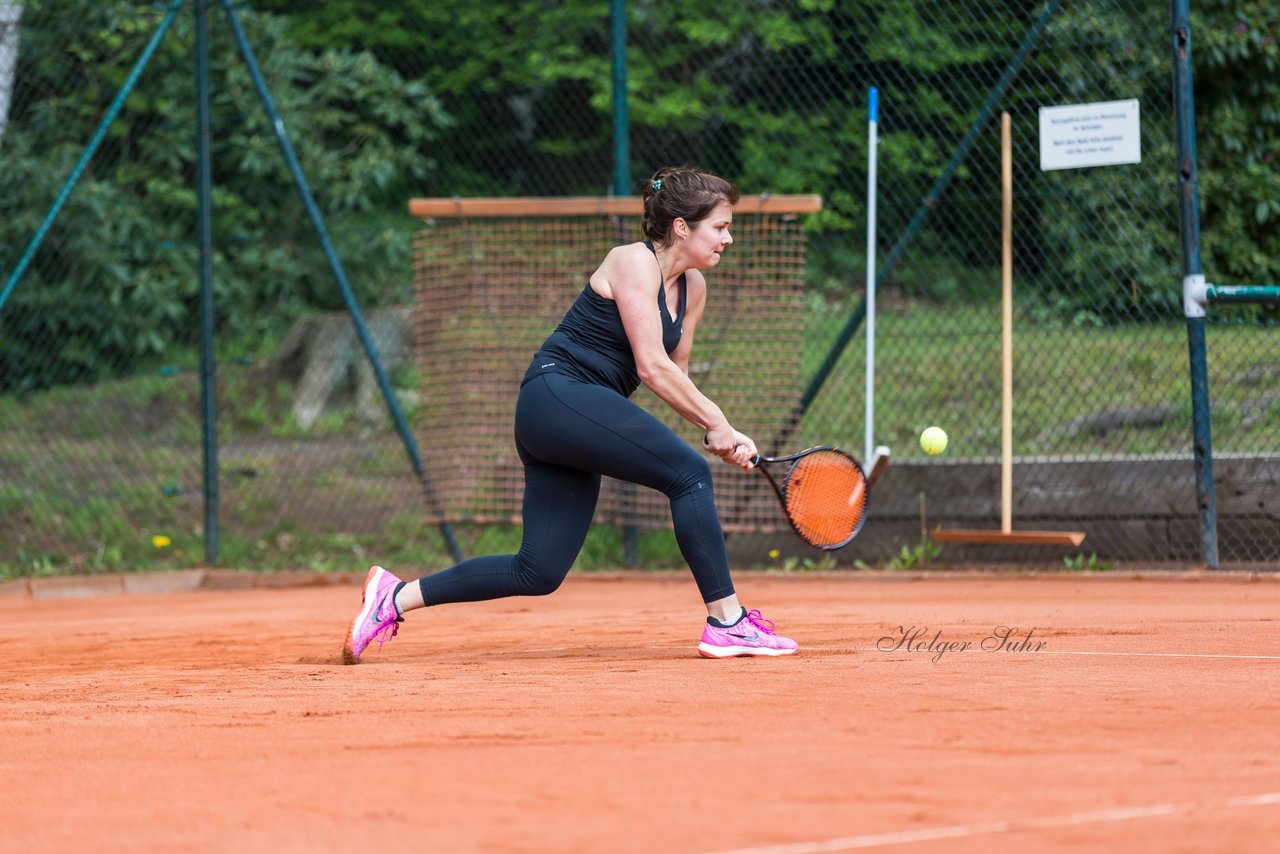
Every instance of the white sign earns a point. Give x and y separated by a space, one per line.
1089 135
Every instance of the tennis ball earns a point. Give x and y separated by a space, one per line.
160 541
933 440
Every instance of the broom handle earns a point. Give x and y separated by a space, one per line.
1006 401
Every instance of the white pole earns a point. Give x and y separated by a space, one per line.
1006 324
873 117
10 13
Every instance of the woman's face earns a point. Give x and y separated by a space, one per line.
710 237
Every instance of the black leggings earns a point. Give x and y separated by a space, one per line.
568 434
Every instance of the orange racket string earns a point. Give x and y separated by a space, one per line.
826 498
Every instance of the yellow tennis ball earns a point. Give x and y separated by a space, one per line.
160 541
933 440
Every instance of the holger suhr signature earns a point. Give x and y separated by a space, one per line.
918 639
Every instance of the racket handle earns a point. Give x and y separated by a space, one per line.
755 461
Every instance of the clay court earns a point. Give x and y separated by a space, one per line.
1126 712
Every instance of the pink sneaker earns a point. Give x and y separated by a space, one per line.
377 617
751 635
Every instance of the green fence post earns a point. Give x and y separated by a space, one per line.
204 194
622 187
1193 282
621 118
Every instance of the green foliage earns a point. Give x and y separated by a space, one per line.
915 557
1237 81
516 98
826 562
773 96
909 557
526 82
1083 563
116 280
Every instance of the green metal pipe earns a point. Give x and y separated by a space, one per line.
204 196
622 187
353 307
1242 293
1192 276
621 116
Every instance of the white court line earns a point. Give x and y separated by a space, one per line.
876 840
1160 654
925 653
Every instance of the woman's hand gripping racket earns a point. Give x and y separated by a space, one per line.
823 493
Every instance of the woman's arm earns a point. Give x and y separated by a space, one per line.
633 277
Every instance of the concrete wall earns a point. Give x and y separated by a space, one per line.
1134 510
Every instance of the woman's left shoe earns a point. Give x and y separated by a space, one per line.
751 635
377 617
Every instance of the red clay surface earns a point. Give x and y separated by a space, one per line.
585 721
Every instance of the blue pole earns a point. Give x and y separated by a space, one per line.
353 307
91 149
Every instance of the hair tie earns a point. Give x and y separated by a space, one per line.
656 185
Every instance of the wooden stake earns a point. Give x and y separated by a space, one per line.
1006 534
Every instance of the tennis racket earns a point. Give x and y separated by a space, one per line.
823 492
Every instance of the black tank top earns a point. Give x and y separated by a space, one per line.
591 344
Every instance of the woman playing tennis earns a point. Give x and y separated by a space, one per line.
634 322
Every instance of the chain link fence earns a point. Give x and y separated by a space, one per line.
100 408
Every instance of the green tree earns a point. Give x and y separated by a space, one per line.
773 95
1237 90
526 81
116 279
